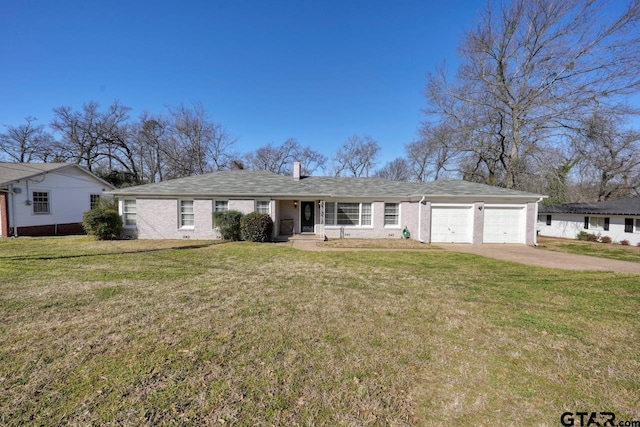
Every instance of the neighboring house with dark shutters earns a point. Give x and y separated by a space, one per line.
331 207
46 199
619 219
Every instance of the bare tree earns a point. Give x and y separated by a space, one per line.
195 144
395 170
279 158
150 136
97 140
429 156
530 71
356 157
311 161
610 156
26 142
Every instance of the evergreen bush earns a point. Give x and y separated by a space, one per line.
256 227
103 221
228 224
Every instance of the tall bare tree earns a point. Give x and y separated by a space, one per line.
279 158
396 170
195 144
356 157
26 142
610 157
150 137
429 156
530 71
97 140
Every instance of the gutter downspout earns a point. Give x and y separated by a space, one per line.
420 218
535 234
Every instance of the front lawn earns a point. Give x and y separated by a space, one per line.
597 249
174 332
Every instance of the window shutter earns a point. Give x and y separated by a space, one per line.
586 222
628 225
606 224
548 219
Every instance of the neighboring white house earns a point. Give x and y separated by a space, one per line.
332 207
619 220
43 199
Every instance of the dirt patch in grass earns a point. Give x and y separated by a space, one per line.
376 244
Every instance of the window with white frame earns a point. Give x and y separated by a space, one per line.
40 201
129 212
348 213
221 206
391 214
598 223
263 206
186 214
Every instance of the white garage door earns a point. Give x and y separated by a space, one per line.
503 225
451 224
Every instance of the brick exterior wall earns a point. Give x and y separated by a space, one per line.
4 216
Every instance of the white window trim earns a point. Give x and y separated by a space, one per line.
181 226
399 215
123 213
220 200
335 215
33 202
255 205
596 227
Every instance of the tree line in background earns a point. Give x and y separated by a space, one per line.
537 104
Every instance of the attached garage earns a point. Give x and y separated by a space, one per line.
504 224
452 224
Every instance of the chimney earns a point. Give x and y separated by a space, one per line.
296 171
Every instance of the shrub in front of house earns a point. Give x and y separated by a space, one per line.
605 239
228 224
593 237
588 237
103 221
256 227
625 242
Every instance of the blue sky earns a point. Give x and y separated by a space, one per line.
318 71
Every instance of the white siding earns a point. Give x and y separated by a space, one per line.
69 191
569 225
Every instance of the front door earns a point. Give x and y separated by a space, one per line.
307 214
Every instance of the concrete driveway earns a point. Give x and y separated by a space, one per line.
544 258
523 254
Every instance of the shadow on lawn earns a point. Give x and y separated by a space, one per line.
92 254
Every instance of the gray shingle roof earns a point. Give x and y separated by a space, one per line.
617 207
10 172
266 184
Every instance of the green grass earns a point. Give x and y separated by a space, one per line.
172 333
597 249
